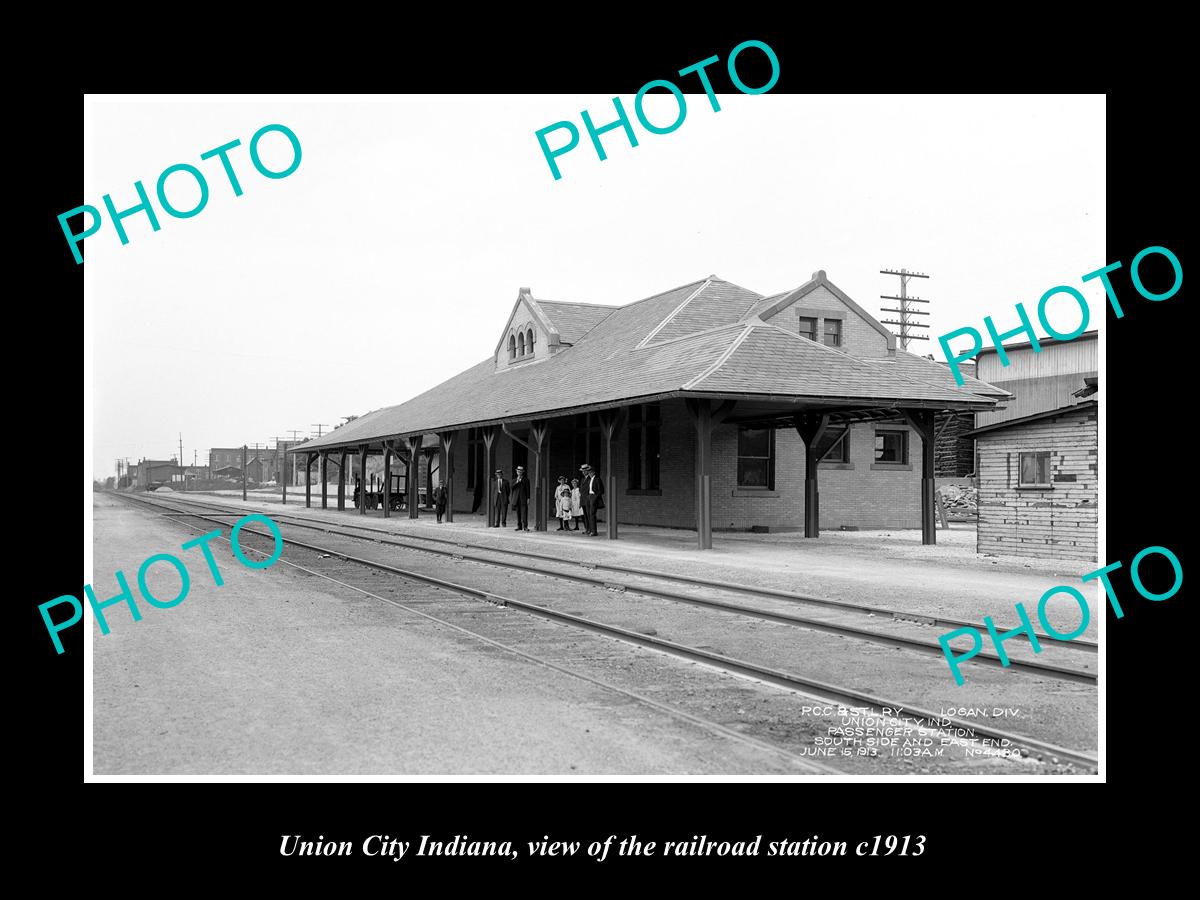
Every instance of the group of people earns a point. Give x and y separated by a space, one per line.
578 501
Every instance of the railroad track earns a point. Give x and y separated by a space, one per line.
820 690
642 579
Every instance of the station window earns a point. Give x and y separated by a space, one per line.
891 447
529 342
512 346
839 450
644 444
833 332
1034 469
808 328
521 344
756 458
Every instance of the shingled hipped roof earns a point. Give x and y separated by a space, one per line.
701 338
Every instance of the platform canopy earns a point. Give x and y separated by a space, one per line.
705 340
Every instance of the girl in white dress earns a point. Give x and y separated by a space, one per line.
576 504
562 503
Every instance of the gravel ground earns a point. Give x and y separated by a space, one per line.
756 709
277 673
1058 712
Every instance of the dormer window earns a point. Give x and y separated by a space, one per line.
529 341
521 344
512 347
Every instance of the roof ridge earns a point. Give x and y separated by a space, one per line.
580 303
688 336
720 361
672 314
679 287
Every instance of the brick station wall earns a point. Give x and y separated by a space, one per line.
1059 523
854 494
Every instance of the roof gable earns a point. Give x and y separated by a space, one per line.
772 306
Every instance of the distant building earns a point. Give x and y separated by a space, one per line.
1039 381
151 473
263 464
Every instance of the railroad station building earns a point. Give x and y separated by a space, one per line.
708 406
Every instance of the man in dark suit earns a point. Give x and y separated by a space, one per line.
520 495
591 492
500 501
440 498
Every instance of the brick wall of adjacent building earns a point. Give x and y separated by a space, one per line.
1059 522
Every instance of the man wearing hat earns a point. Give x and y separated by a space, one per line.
500 501
591 490
520 495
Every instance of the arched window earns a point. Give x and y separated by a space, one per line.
512 346
529 342
520 345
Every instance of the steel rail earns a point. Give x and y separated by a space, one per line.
717 728
753 590
1050 670
765 674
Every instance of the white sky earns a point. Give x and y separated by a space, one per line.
390 259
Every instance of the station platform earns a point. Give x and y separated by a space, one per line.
889 568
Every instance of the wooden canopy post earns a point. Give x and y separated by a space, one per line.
811 427
447 470
362 480
539 432
324 479
429 453
342 482
539 426
387 479
308 461
611 421
414 476
922 422
489 442
706 419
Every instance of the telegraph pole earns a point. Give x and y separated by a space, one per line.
905 311
281 462
295 440
243 473
319 426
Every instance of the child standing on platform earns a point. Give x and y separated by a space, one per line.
562 503
576 503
